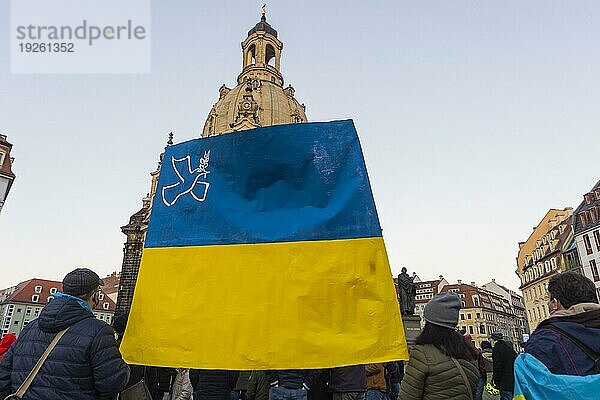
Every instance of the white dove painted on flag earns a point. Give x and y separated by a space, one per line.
189 180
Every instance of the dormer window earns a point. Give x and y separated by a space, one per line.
105 306
583 218
50 298
35 298
101 296
38 289
52 290
589 198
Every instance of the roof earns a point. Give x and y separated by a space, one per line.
263 26
585 207
25 292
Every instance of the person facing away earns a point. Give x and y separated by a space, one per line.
258 387
84 365
348 383
213 384
503 356
489 391
441 356
574 312
376 385
289 384
394 371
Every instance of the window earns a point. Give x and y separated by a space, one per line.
588 244
38 289
35 298
28 311
478 315
25 322
18 310
471 329
16 322
594 270
469 316
2 154
462 317
49 299
101 296
106 306
52 290
597 239
593 214
582 218
482 329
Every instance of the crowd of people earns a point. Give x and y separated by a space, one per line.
84 361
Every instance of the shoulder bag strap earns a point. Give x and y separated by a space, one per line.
464 376
588 352
27 382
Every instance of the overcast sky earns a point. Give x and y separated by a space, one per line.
475 118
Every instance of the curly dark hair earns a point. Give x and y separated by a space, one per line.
571 288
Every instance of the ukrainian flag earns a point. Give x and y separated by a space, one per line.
533 381
264 251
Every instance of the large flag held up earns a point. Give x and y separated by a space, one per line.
264 251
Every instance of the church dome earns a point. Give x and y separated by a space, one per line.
259 99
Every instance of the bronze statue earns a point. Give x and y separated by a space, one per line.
407 291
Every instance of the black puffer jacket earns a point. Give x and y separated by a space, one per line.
352 378
85 364
291 378
504 357
213 384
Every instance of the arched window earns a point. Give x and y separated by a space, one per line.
251 55
270 55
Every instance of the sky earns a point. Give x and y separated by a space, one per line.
475 118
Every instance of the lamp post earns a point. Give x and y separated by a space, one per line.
6 175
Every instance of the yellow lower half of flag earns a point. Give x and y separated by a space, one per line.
265 306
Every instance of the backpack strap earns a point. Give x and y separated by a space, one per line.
595 357
464 377
27 382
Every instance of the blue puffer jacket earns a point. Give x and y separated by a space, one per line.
557 352
85 364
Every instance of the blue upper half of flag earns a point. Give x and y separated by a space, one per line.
284 183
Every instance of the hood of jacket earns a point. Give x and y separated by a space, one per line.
61 313
581 321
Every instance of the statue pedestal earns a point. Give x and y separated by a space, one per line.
412 328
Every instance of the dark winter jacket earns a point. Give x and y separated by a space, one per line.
258 387
503 356
319 385
290 378
559 354
84 365
348 379
394 371
213 384
432 375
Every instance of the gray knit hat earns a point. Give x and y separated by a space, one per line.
443 309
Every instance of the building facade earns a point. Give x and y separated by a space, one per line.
259 99
21 304
540 257
484 310
586 230
7 177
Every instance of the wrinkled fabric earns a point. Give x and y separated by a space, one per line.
84 365
432 375
533 381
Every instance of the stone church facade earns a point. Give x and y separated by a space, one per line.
259 99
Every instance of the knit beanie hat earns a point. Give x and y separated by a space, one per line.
442 310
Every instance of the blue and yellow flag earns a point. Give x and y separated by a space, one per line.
264 251
533 381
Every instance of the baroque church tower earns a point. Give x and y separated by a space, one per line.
259 99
